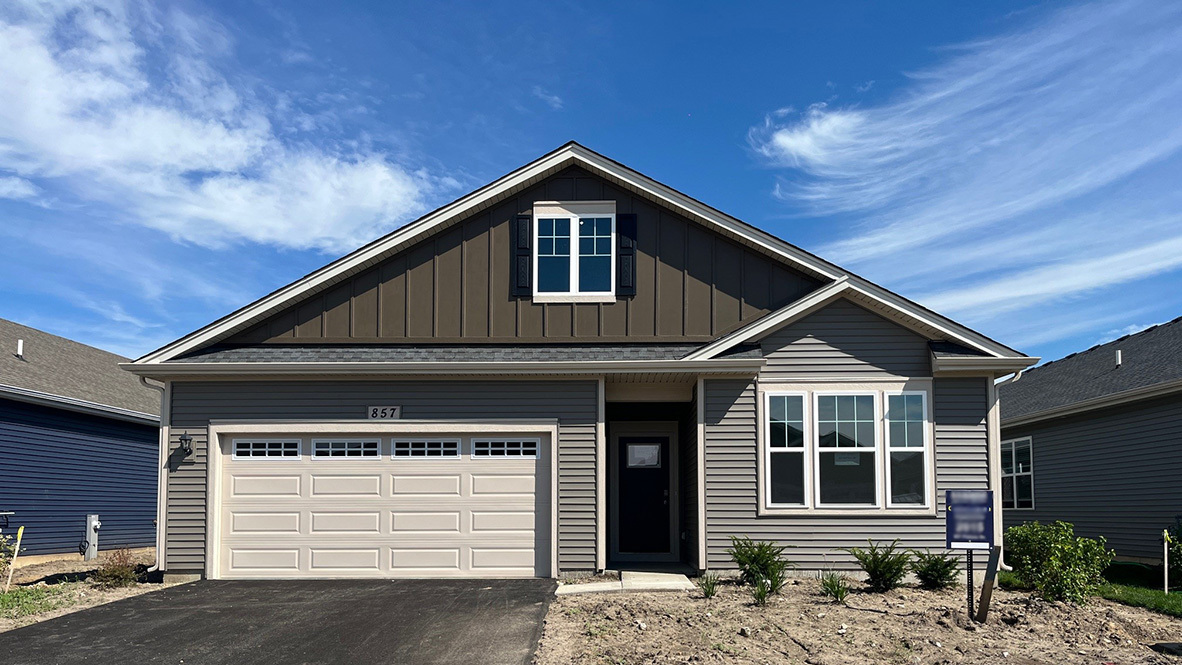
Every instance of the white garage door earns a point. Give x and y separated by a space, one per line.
384 506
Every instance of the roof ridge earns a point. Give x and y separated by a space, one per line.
1094 347
74 342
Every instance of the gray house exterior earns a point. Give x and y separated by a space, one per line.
572 368
77 436
1096 440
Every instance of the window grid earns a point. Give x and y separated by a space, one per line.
246 448
431 448
504 448
846 421
1017 474
345 449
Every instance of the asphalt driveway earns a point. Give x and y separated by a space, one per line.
291 622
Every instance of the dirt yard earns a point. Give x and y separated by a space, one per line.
46 590
904 626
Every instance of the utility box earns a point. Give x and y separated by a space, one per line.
92 533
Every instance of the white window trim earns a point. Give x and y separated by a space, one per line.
426 458
765 441
928 448
511 439
342 439
876 397
573 210
255 458
1028 440
856 386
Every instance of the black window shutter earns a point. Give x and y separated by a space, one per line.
522 259
626 254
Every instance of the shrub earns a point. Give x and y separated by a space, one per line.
885 566
835 586
1176 550
7 550
1059 565
758 560
118 570
934 571
708 583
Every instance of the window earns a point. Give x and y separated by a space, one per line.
252 448
575 252
846 442
907 438
785 450
1017 474
344 449
504 448
426 448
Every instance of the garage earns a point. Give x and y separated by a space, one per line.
356 504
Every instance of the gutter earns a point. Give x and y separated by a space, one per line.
983 364
742 366
161 476
76 405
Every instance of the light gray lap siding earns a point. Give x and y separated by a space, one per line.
960 406
844 339
1114 472
573 403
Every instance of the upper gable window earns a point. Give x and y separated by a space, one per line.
575 252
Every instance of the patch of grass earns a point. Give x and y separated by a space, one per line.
1151 599
117 571
835 586
27 601
708 583
1008 580
598 628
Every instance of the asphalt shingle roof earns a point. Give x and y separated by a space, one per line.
1148 358
66 368
362 353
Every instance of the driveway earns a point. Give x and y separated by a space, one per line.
291 622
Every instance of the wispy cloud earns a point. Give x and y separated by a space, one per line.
554 101
1026 169
12 187
131 106
1117 333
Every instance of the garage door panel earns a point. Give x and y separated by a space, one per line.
383 517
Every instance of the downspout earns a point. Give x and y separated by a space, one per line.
993 427
161 474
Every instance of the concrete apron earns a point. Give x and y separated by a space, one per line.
631 581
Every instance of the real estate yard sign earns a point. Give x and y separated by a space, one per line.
969 526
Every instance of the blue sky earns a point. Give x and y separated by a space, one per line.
1015 166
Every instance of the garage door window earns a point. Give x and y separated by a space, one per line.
266 448
344 448
437 448
504 448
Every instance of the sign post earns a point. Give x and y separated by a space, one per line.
969 527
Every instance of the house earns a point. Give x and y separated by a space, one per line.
571 368
1095 439
77 436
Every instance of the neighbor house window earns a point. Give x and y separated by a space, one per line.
1017 474
847 450
575 253
907 438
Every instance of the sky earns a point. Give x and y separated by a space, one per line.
1015 166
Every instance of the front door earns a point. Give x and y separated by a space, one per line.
644 499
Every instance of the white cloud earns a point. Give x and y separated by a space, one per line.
12 187
126 105
1117 333
554 101
1024 170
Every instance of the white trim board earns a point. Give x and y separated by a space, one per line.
570 154
76 405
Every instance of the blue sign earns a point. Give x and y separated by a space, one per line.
969 519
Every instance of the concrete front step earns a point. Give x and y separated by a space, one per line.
632 581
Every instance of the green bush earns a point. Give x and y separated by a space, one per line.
7 550
761 591
835 586
708 583
1059 565
885 565
934 571
117 571
758 560
1176 550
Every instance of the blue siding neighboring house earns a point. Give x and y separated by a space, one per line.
77 436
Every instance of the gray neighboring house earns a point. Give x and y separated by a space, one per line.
77 436
1095 439
572 368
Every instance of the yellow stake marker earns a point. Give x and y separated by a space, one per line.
12 564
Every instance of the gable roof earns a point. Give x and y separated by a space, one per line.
570 154
1151 364
68 374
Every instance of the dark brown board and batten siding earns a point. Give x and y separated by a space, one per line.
691 284
816 541
573 403
1113 472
